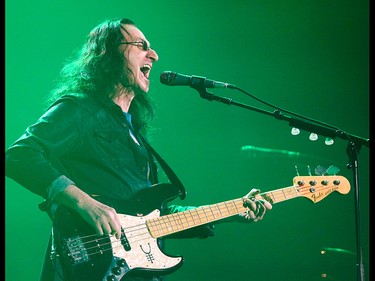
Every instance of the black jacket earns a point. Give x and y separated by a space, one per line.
86 140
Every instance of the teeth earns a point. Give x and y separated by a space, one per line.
146 66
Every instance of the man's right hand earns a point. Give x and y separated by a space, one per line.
102 218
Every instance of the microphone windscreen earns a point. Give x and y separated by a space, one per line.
167 77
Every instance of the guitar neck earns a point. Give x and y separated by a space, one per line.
180 221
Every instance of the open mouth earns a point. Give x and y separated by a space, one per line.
145 69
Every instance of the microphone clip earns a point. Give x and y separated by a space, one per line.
210 96
198 82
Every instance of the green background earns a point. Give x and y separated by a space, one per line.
307 57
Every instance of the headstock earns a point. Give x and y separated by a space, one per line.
317 188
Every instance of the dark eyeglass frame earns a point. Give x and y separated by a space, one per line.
145 47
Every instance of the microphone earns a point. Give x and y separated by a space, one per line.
177 79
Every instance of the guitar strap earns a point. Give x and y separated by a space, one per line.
175 181
166 168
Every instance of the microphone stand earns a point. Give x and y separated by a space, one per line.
352 150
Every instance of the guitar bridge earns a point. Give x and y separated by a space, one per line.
76 250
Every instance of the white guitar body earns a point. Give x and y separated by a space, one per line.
144 252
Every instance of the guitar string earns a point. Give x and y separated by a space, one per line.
170 218
225 205
138 236
192 218
131 239
304 190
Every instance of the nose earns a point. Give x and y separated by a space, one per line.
151 53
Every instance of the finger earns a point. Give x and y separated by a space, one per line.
254 192
98 229
254 217
116 230
106 227
256 210
261 210
251 215
250 203
267 204
264 203
113 223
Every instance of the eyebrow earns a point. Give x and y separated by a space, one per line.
136 38
142 40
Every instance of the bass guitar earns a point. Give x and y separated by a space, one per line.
88 256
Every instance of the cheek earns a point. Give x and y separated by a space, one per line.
133 65
131 72
132 57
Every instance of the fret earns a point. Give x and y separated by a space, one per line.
283 194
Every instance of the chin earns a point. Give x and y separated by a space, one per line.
143 86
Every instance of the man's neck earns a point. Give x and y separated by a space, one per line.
124 100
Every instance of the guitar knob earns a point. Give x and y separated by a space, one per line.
324 182
121 263
116 270
312 182
111 278
336 182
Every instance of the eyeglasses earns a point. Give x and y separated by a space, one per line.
142 44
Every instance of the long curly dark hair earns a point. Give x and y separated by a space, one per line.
98 67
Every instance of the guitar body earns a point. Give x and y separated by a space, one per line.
88 256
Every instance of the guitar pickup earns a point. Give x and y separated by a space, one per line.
124 241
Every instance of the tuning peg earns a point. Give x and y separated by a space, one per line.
320 170
332 170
